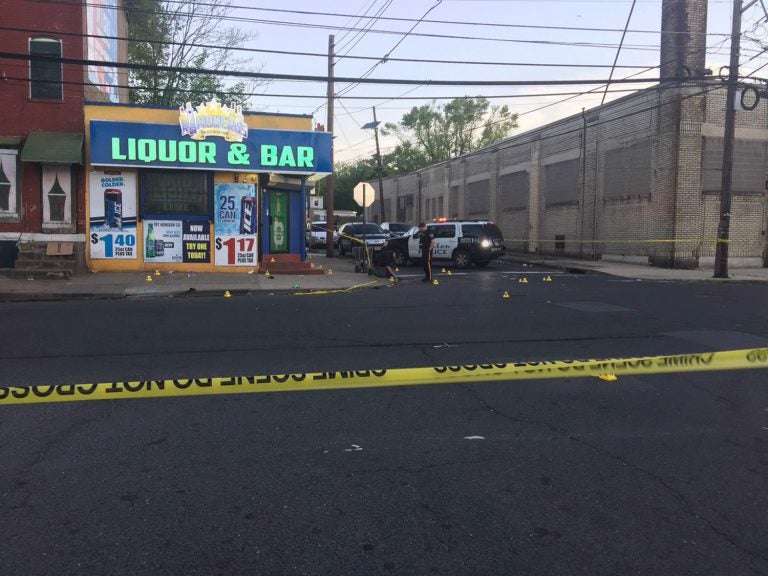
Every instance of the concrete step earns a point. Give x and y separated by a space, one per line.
50 263
267 258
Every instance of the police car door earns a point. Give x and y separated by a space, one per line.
413 245
445 241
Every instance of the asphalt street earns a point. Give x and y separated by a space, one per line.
656 474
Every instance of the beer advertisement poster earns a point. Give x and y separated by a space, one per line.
235 224
196 239
112 215
163 241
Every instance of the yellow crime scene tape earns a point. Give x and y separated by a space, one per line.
513 372
625 241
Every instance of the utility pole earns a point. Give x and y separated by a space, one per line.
723 228
382 212
329 179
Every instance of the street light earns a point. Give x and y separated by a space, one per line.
375 126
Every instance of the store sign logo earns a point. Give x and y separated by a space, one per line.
213 119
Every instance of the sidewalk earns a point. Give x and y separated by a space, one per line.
137 284
638 271
343 277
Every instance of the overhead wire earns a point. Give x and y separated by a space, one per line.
317 54
640 47
315 13
357 38
313 78
359 19
618 51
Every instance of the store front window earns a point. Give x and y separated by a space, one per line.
175 193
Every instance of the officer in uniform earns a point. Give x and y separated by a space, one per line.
427 245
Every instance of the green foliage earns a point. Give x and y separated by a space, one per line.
191 27
345 177
431 133
427 134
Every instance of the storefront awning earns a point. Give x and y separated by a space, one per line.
53 148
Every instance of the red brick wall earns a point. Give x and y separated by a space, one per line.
20 114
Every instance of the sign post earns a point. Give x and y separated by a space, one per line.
364 194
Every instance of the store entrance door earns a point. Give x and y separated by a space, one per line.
278 221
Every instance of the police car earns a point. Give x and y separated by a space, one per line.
462 242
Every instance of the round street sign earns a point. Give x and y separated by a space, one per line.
364 194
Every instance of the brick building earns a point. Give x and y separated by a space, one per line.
637 179
42 191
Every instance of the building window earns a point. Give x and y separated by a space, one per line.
176 194
8 184
45 76
57 196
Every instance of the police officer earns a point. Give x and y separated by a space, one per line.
427 245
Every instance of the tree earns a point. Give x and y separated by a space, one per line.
432 133
188 35
345 177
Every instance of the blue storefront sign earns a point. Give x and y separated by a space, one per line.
164 146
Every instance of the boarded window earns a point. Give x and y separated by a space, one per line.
453 202
479 198
45 75
627 170
561 181
514 190
749 162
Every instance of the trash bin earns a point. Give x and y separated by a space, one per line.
8 252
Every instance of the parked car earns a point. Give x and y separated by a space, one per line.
396 228
352 234
316 235
462 242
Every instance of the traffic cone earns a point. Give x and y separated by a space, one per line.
435 282
272 260
397 269
227 294
443 270
505 295
547 278
266 273
523 280
330 272
608 377
157 272
449 273
392 279
149 278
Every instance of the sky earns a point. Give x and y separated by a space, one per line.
487 38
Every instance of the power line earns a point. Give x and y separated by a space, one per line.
25 79
314 78
359 19
639 47
599 122
361 34
370 70
314 13
537 134
318 54
621 43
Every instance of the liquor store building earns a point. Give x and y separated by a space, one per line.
202 188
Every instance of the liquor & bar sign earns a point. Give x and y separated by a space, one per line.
163 146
